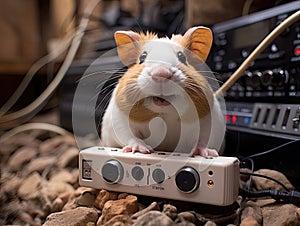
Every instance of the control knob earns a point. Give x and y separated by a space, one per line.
112 171
267 77
279 77
187 179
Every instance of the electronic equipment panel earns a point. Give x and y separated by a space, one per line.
266 98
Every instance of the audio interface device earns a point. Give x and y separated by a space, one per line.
211 180
265 100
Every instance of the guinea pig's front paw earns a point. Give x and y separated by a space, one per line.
204 151
137 145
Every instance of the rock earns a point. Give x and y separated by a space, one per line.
50 145
11 186
87 199
76 217
244 177
170 211
122 196
117 207
30 186
90 224
25 217
266 184
119 220
40 164
64 176
188 216
280 215
57 205
152 206
20 157
51 190
154 218
251 209
103 197
265 202
210 223
69 158
249 221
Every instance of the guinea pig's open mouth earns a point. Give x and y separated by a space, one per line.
162 100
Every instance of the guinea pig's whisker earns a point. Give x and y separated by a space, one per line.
100 73
114 79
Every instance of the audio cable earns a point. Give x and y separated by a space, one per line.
292 197
285 196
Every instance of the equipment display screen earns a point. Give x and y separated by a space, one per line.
250 35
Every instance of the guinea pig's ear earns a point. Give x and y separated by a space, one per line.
127 46
199 41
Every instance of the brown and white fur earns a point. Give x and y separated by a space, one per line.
162 102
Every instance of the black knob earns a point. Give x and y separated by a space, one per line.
247 78
256 80
112 171
279 77
187 179
267 77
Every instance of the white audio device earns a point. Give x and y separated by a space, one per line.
178 176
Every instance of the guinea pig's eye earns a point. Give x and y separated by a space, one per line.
181 57
143 57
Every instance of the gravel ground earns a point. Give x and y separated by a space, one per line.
39 186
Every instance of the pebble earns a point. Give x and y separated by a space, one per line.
69 158
152 206
253 210
40 164
188 216
64 175
54 189
29 189
210 223
75 217
170 211
119 220
280 215
154 218
21 157
87 199
249 221
51 145
103 197
113 208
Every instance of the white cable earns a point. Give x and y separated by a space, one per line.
12 119
31 72
34 126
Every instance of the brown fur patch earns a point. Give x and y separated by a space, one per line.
128 96
199 90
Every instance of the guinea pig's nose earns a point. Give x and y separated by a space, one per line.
160 73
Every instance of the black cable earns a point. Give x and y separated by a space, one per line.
283 196
267 177
271 150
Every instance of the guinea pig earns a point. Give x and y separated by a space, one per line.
162 102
